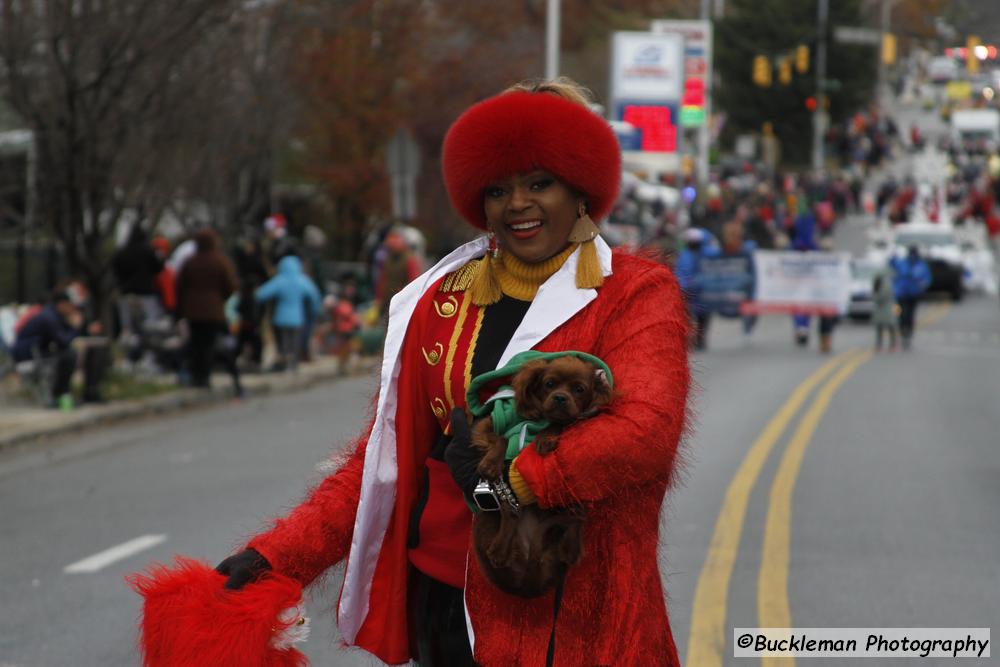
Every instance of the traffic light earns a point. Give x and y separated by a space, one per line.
785 72
889 48
762 71
811 104
971 61
802 59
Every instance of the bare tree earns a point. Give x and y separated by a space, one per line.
90 78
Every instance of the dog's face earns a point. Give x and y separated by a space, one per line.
560 389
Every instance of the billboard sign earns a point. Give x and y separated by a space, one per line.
697 46
647 67
647 76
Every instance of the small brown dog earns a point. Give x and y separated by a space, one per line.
526 552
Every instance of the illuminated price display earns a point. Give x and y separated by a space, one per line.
658 131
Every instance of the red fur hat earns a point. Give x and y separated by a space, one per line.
519 131
190 620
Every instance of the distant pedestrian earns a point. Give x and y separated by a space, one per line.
398 269
48 336
744 282
136 266
296 298
165 279
686 269
884 315
206 280
913 277
277 242
251 269
805 239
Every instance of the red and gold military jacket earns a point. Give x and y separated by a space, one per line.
617 466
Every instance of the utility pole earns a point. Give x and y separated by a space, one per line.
886 18
552 39
819 115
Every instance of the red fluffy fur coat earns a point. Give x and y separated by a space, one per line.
618 466
189 620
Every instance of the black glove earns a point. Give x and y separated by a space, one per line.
462 458
243 568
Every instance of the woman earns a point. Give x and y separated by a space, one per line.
529 167
204 283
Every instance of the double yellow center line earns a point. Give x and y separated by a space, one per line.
707 640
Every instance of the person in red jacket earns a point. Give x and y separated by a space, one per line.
531 167
164 281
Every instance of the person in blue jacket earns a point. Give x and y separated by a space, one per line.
296 300
913 277
804 239
697 244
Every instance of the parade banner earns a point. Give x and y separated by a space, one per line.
725 283
807 283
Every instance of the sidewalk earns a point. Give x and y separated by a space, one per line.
21 423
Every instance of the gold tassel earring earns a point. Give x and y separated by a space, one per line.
485 288
588 267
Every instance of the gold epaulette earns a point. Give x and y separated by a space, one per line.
460 280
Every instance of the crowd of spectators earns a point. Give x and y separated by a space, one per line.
187 307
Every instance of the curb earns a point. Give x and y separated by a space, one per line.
88 418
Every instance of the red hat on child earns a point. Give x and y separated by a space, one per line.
519 131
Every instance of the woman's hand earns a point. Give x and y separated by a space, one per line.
462 458
243 568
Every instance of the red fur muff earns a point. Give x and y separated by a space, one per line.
190 620
517 132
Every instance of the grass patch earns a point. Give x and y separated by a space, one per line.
123 386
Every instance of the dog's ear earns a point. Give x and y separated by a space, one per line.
528 391
603 393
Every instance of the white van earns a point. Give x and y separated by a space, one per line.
974 130
942 70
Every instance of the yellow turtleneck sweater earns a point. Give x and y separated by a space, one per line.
521 280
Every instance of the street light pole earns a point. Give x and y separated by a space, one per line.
819 114
552 39
886 17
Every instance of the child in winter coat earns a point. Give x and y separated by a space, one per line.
884 313
293 292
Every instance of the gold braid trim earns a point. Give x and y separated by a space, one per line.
460 280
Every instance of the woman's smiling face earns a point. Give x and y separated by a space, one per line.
531 214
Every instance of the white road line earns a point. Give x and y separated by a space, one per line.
101 560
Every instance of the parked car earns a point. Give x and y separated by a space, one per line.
977 258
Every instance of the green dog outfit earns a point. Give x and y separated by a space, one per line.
499 405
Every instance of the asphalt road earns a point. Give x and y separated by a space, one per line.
867 499
892 516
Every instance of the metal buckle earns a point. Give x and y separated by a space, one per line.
484 497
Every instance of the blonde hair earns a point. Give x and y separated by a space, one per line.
561 86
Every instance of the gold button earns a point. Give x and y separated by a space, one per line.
434 356
448 308
438 407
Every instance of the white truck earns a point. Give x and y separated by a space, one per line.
975 129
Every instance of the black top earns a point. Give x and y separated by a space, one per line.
500 321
